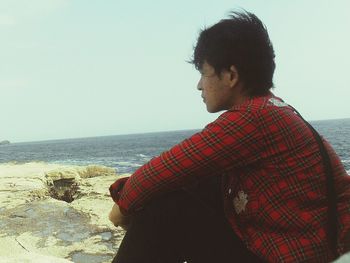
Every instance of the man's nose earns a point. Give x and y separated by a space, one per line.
199 85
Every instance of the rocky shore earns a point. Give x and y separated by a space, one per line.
56 213
51 213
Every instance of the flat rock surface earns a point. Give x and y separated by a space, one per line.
35 226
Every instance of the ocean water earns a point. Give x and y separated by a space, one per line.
123 152
128 152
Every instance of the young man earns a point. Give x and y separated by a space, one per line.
252 186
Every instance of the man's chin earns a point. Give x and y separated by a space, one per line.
212 110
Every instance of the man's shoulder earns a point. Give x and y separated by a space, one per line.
258 104
257 110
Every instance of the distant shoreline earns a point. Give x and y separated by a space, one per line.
105 136
5 142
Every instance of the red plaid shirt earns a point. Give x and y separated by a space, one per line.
274 188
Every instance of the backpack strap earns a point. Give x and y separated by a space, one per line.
332 224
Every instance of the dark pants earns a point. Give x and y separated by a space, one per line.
187 225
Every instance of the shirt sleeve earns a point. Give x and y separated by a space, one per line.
230 141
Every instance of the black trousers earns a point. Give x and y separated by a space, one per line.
186 225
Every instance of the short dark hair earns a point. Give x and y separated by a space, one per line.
241 40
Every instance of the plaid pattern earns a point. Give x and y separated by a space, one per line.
274 189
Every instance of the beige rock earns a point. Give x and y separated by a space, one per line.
32 258
35 226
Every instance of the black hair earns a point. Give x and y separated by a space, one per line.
241 40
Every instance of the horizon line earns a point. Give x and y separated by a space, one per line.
134 133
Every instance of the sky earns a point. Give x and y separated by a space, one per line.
84 68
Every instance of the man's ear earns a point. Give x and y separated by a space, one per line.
233 76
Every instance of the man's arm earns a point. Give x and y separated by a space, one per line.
230 141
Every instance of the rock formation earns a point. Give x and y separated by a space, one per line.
55 213
4 142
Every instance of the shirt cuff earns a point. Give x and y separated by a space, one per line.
115 191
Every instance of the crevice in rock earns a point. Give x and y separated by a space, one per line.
21 245
64 189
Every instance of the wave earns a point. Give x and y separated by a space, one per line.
128 164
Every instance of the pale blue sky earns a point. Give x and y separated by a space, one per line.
80 68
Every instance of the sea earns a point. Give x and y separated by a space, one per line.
126 153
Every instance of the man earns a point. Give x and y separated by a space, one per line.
251 186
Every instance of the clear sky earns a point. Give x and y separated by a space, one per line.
81 68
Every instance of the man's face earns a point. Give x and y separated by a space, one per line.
216 91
